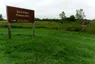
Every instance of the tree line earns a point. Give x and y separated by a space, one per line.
80 15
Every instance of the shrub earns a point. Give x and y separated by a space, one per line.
74 28
91 27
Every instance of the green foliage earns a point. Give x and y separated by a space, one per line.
74 28
1 18
72 18
47 19
90 27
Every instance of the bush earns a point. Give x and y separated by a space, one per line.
91 27
74 28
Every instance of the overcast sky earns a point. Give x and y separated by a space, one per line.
51 8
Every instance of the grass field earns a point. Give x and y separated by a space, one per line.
47 47
42 24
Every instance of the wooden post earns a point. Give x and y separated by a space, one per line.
33 29
9 30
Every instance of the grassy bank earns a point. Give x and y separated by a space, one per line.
47 47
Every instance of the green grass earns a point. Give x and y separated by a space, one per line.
47 47
45 24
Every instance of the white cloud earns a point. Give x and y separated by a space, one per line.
51 8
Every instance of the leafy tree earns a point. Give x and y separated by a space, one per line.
72 18
62 16
1 17
80 14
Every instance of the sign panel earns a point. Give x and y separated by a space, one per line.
19 15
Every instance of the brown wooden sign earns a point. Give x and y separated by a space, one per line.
19 15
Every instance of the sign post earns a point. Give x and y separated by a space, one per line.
33 29
9 30
20 15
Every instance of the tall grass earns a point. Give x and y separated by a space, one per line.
91 27
66 26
